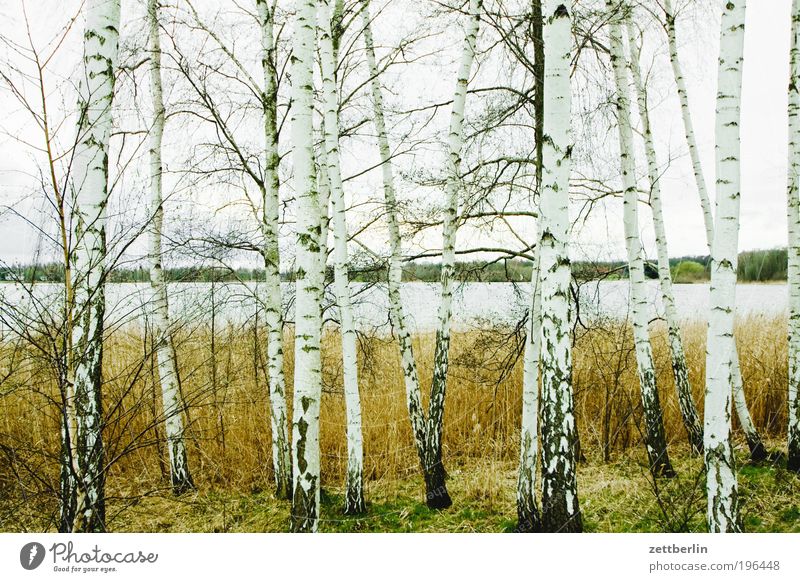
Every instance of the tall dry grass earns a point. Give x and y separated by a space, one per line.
224 385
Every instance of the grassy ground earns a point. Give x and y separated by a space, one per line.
615 497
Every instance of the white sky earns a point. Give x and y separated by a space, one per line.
764 132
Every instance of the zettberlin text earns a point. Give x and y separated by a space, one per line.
675 549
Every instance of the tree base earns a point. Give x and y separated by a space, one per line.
436 495
181 487
304 510
663 470
528 521
561 522
354 503
758 452
283 490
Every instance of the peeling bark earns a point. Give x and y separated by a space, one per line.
309 279
90 190
560 509
528 517
721 483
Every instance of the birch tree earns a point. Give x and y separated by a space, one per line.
755 444
309 279
723 510
655 439
281 456
354 490
560 511
793 211
165 351
528 518
437 496
689 415
411 382
90 191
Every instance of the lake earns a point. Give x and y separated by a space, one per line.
475 305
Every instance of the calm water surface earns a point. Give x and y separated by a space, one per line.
475 304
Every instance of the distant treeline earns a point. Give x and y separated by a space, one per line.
754 266
54 273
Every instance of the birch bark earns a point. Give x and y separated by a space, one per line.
437 496
560 511
309 277
273 306
691 419
354 490
757 450
165 351
528 518
655 440
90 187
793 212
722 489
408 362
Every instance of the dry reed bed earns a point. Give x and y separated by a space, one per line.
224 385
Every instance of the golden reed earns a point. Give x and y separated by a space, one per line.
225 389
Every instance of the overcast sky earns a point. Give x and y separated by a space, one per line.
764 134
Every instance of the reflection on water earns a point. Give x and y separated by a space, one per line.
475 304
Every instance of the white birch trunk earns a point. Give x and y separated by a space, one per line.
324 192
408 362
528 518
560 508
691 419
180 476
757 449
793 216
308 310
273 306
688 127
354 490
437 496
655 440
723 511
90 186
